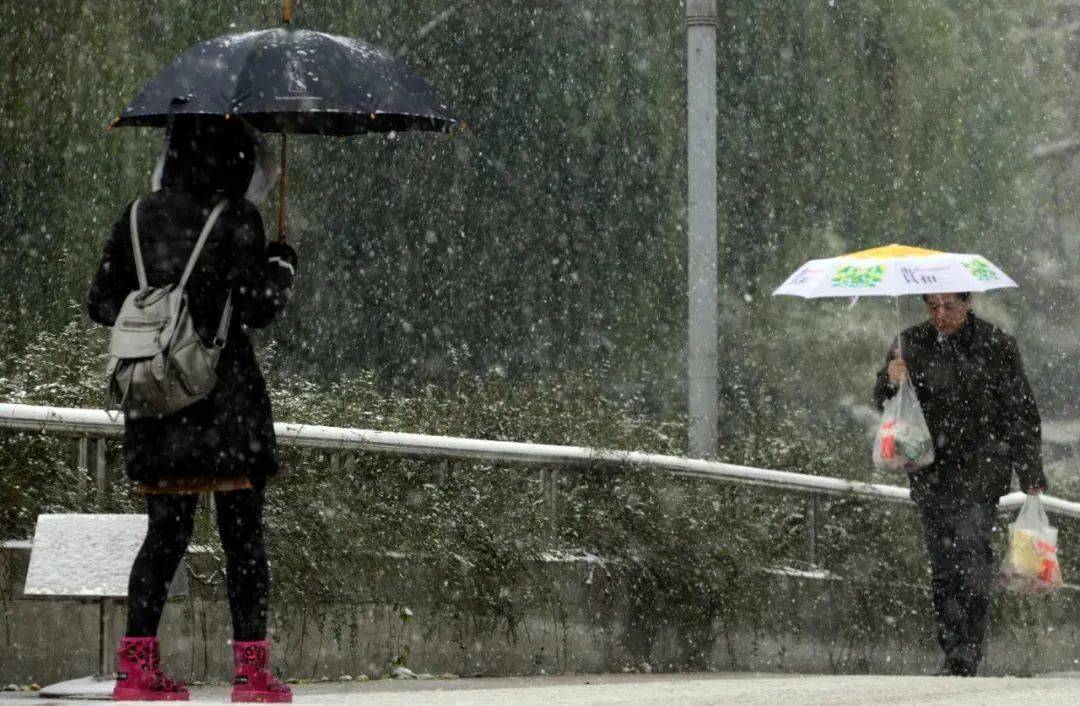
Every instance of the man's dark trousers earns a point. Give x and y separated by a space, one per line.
962 566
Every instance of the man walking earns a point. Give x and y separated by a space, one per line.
985 424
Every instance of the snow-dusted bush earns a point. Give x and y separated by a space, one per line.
478 540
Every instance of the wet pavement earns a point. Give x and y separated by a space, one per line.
656 689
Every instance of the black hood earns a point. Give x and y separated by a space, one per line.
208 155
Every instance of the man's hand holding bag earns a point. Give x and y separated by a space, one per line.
902 442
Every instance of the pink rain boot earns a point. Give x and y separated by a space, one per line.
139 676
253 682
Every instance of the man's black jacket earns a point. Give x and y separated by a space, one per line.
980 410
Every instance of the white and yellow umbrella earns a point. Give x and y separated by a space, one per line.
894 271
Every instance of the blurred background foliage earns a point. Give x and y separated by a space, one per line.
549 234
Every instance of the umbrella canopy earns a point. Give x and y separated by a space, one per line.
295 80
893 271
291 80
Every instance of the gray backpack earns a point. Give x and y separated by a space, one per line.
158 364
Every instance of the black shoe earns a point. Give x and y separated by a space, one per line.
956 668
944 670
962 668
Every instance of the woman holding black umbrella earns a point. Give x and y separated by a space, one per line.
224 443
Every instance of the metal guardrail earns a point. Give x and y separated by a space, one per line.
91 424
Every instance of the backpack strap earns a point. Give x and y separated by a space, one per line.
140 269
226 314
209 226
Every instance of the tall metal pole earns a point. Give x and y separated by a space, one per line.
701 19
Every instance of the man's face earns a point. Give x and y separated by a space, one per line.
947 312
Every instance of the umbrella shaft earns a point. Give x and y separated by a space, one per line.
899 331
281 182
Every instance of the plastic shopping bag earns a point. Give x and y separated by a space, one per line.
903 441
1031 564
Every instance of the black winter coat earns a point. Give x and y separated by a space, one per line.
231 432
980 410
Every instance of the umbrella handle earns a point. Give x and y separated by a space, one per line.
899 331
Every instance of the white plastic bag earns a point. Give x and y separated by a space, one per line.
1031 564
903 442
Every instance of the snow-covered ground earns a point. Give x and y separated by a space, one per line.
659 689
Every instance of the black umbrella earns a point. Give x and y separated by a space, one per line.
291 80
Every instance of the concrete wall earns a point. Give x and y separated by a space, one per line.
804 623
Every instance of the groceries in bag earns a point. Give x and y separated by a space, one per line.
1031 563
903 442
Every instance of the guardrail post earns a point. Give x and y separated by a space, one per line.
335 464
100 472
811 526
82 462
550 478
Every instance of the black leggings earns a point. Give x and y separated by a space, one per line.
172 518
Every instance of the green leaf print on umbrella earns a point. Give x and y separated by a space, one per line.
858 277
981 270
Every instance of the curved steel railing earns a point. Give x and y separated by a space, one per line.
100 425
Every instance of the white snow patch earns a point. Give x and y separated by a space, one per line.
84 555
